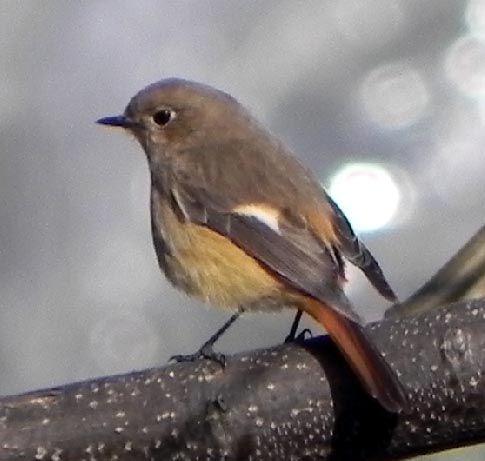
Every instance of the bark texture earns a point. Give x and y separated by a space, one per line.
293 402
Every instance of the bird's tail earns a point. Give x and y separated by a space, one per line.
369 365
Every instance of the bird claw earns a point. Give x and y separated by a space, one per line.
205 352
300 337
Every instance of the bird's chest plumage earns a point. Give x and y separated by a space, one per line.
208 265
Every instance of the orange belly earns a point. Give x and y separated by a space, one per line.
209 266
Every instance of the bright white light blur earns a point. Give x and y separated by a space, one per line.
367 194
368 23
394 95
475 17
465 65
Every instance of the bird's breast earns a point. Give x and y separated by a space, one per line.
209 266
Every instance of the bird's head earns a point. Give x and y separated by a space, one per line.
173 115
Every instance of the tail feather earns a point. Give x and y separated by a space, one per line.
369 365
358 254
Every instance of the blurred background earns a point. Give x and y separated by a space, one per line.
382 99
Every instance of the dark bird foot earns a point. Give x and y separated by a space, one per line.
205 352
300 337
292 336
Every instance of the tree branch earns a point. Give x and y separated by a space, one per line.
295 402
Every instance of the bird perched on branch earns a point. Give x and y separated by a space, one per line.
238 222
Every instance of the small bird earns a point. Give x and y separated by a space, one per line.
238 222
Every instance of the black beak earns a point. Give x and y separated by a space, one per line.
118 120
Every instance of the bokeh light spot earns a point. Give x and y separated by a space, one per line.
394 95
368 23
465 65
475 17
367 194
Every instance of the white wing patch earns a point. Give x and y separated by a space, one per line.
263 213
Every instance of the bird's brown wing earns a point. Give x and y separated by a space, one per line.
358 254
297 256
291 250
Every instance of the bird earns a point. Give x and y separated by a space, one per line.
238 222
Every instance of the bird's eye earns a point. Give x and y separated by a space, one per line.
162 117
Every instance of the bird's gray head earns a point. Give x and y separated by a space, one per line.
173 114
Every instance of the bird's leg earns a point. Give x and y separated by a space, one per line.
292 336
294 327
206 351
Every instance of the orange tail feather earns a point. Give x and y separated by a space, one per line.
369 365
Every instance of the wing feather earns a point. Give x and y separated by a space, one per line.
358 254
293 253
